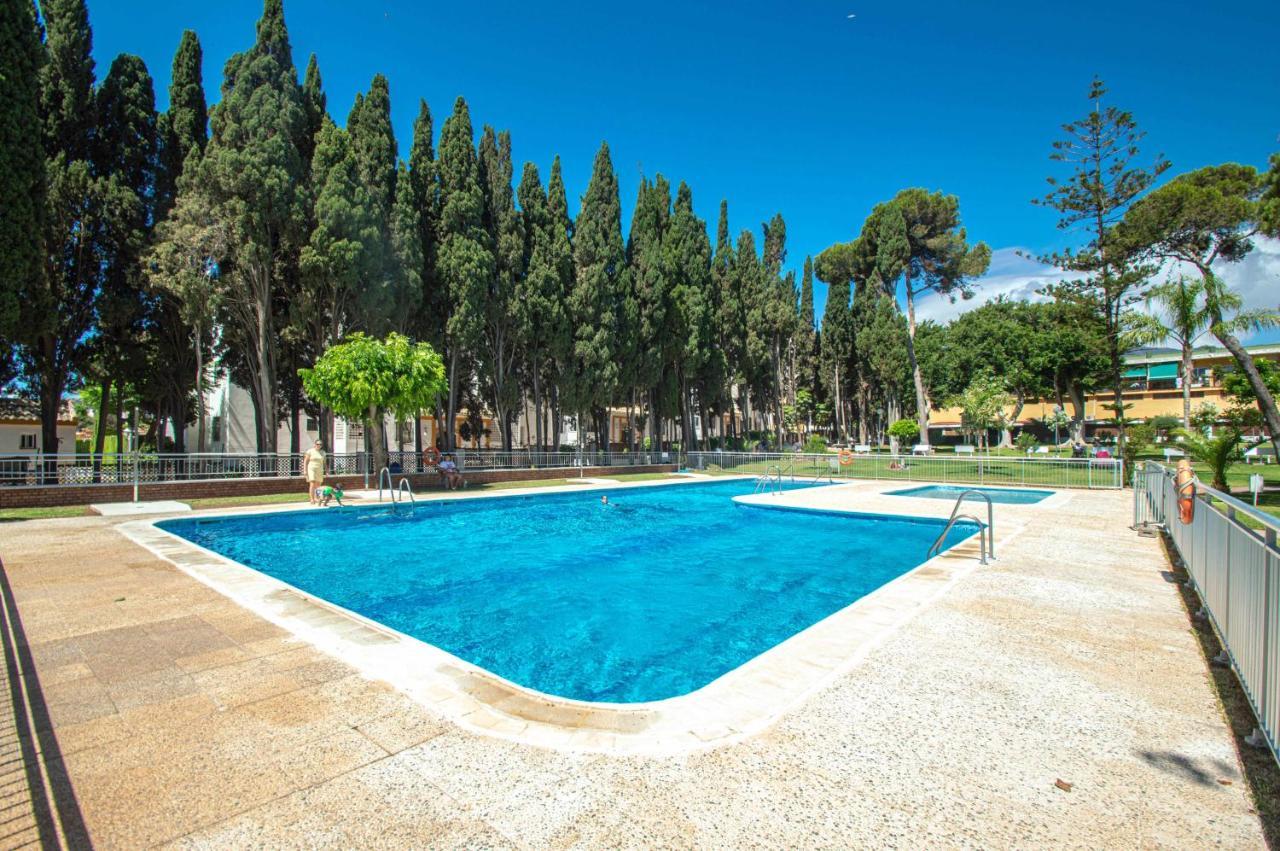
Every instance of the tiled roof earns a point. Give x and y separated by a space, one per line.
18 408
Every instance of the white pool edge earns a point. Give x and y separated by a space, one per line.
738 704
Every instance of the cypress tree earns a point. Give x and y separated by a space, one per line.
185 126
424 184
728 313
506 240
689 328
465 263
125 159
315 109
57 308
746 284
599 259
22 168
373 144
806 348
255 174
560 333
539 302
642 347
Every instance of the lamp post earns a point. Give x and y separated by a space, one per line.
133 452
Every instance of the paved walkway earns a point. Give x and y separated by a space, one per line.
153 711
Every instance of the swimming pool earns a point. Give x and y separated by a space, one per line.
653 596
1007 496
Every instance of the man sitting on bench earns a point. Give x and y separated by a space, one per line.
449 472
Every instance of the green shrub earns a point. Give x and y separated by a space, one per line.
815 443
905 430
1026 440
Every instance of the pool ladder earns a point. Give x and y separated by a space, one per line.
986 536
772 478
397 492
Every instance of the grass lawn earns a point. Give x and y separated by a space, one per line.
935 468
233 501
11 515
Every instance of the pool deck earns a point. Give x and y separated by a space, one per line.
153 710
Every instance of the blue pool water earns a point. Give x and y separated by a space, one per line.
1007 496
650 597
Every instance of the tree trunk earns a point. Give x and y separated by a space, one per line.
1266 402
377 438
1006 433
295 419
537 409
1187 369
1076 394
200 401
922 401
451 409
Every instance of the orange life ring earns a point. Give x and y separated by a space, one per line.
431 456
846 457
1185 482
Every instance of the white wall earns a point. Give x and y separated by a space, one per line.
11 438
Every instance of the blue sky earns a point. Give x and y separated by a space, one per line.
776 106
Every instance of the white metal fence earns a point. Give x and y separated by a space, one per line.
944 469
1235 570
43 470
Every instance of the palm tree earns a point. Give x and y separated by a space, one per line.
1183 314
1219 452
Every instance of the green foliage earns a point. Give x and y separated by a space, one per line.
1138 440
601 276
185 126
815 443
364 375
905 430
1219 452
1026 440
1201 218
1205 416
982 405
22 167
253 173
499 358
1164 424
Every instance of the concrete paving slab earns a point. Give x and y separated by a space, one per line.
131 509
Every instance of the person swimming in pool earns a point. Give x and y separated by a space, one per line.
604 499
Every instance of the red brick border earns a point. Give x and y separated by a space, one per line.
39 497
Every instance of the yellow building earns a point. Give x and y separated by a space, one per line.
1152 388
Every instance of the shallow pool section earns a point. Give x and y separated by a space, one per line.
1007 496
651 596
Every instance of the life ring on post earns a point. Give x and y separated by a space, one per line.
1185 482
431 455
846 457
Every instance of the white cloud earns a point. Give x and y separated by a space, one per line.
1256 279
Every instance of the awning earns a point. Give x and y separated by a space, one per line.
1162 370
1136 372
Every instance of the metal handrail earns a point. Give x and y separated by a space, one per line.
988 531
404 487
391 488
982 537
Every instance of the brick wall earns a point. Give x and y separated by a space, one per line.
31 497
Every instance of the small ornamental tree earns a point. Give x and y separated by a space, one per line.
904 431
982 405
365 378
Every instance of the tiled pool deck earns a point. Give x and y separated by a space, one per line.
163 712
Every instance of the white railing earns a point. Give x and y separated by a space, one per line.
997 470
117 468
1229 548
87 469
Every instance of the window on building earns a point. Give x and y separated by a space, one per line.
404 432
215 429
27 441
312 424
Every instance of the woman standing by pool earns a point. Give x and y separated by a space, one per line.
313 463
